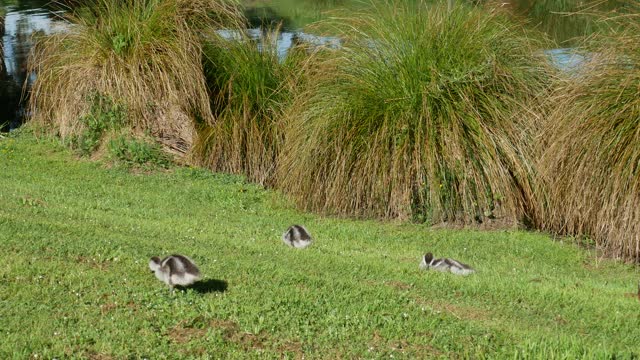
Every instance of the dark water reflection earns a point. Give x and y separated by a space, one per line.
565 21
20 19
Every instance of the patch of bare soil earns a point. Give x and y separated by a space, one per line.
109 306
183 334
231 332
98 356
633 295
399 285
291 348
379 343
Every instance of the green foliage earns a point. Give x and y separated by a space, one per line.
104 115
77 238
138 152
424 113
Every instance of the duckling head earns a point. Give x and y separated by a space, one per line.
426 261
162 274
155 264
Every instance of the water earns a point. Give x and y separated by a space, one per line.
20 19
285 39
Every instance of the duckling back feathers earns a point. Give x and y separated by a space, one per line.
297 236
445 265
175 270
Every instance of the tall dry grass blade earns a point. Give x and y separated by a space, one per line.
590 159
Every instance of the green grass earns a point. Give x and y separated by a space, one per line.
76 237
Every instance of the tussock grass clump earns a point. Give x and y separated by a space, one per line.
143 54
423 114
250 84
591 157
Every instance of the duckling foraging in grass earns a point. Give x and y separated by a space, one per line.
175 270
297 236
445 265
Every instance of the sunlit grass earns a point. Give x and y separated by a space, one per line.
76 237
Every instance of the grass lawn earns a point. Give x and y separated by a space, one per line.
77 235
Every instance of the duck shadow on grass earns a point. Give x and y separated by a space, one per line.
209 285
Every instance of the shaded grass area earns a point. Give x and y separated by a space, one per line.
79 236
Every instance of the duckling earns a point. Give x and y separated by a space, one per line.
297 236
175 270
445 265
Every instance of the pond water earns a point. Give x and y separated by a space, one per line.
20 19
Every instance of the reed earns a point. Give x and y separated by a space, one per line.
250 84
590 159
423 114
141 54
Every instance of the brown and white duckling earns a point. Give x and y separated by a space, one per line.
297 236
445 265
175 270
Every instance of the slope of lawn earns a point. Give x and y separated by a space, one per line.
76 237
